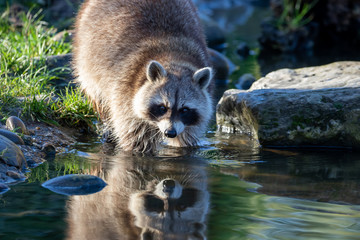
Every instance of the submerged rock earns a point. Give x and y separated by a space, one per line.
75 184
10 154
300 107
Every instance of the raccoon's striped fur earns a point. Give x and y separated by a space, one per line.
144 64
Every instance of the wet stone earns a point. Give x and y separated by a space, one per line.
11 154
245 81
16 124
313 106
28 140
48 149
12 136
75 184
14 175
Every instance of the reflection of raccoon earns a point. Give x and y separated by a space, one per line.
145 66
144 199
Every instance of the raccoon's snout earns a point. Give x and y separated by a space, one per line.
168 186
170 133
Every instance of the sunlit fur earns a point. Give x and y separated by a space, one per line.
114 44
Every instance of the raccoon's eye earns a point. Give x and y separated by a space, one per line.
162 109
184 110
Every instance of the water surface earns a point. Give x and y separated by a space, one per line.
228 192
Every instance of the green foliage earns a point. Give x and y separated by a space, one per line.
74 109
71 164
26 86
295 14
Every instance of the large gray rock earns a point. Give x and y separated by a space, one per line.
308 106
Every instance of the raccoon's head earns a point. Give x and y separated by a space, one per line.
171 208
174 99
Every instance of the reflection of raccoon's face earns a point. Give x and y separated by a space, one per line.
171 208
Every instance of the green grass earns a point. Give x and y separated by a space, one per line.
26 83
295 14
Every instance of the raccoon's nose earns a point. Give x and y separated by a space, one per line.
170 133
169 186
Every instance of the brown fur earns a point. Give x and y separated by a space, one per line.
114 42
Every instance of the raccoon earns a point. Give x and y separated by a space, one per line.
145 66
144 199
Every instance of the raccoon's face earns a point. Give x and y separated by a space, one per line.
174 100
171 207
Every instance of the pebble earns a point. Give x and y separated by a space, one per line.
48 149
14 175
28 140
245 81
16 124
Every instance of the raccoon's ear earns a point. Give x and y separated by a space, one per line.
203 77
155 71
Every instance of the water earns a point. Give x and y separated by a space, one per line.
230 189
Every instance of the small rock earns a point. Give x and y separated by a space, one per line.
3 188
11 154
14 175
28 140
245 81
75 184
48 149
12 136
16 124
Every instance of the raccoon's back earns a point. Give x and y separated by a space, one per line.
111 31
